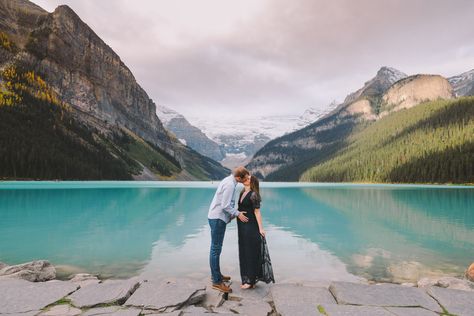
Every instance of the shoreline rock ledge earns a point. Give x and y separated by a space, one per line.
35 271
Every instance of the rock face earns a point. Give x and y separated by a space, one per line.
35 271
413 90
384 79
89 77
463 84
189 134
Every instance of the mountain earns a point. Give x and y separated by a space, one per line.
241 138
188 134
313 114
288 157
463 84
58 55
432 142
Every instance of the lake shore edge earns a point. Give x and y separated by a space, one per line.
86 294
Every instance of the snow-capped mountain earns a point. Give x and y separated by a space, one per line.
313 114
385 77
188 134
241 139
463 84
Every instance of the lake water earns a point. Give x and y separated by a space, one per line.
314 231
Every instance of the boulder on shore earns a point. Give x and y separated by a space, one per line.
35 271
470 272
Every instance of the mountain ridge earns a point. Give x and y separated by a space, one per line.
90 77
287 157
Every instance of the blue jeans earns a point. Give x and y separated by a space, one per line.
217 237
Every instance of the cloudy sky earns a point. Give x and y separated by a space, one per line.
254 57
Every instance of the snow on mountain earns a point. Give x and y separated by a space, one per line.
166 114
313 114
463 84
242 138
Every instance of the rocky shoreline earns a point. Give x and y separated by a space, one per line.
30 289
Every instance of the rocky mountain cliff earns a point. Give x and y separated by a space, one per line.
189 134
463 84
287 157
90 77
413 90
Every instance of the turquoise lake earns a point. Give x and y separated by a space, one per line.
314 231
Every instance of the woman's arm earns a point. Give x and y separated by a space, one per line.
258 216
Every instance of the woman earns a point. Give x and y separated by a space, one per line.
254 259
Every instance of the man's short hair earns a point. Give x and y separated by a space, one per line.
240 172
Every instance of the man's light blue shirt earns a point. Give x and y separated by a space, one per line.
223 203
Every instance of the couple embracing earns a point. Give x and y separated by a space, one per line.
254 259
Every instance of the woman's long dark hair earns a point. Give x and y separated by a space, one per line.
255 185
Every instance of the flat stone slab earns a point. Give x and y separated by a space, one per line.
112 310
168 295
351 310
261 292
410 311
456 302
108 292
390 295
251 307
61 310
20 296
292 299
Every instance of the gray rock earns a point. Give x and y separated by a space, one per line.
84 279
261 292
32 313
252 307
291 299
456 302
168 295
447 282
410 311
20 296
112 310
35 271
213 299
351 310
62 310
194 310
382 295
108 292
3 265
153 312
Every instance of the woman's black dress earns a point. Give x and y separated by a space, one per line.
254 259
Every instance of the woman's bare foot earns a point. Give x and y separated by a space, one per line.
247 286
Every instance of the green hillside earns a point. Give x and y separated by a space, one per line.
430 143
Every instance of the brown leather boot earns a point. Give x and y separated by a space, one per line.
222 287
225 278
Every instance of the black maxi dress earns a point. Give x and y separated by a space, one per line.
254 259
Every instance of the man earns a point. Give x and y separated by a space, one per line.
221 211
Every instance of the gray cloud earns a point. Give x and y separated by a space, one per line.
259 57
